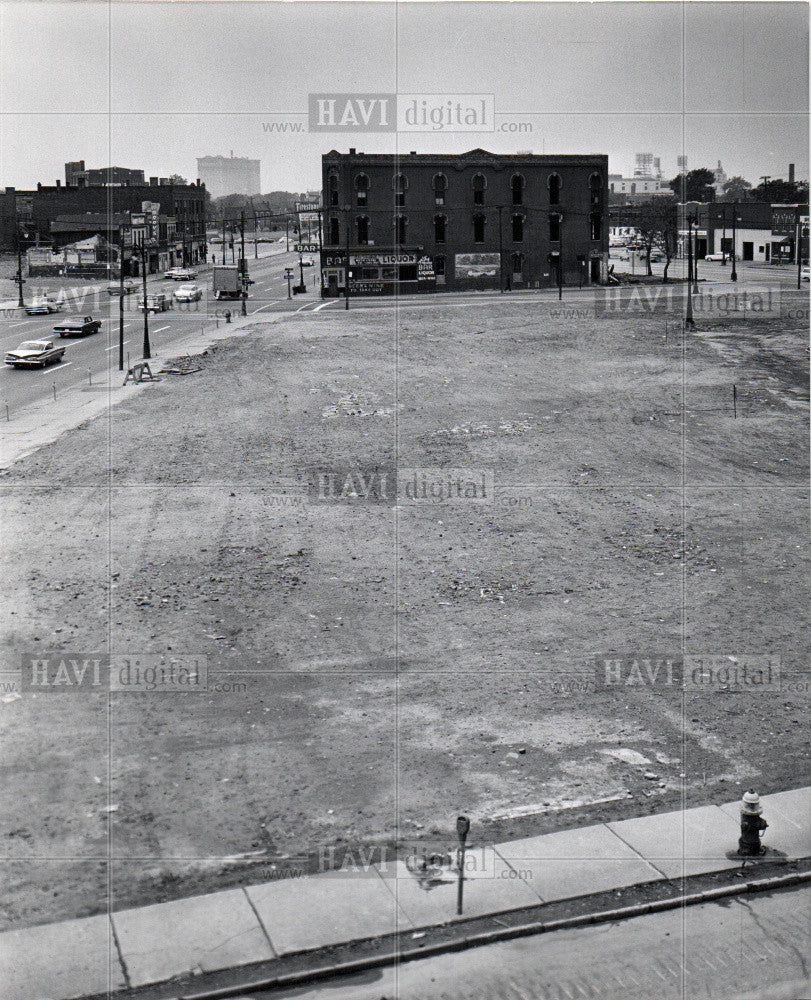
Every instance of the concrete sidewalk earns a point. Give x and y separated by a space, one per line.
132 948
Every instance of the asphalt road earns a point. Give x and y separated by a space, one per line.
742 947
94 358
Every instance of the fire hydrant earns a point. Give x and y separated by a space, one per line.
752 824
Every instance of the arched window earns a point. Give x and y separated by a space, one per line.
517 187
361 188
332 183
479 185
400 185
362 223
518 229
334 230
596 225
554 228
400 223
595 189
440 228
554 189
440 188
478 228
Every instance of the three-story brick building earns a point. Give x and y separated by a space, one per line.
479 220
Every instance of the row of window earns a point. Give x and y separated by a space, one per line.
400 223
439 184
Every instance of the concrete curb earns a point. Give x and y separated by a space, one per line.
305 977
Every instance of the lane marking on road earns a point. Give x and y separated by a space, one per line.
330 302
63 365
305 306
271 303
113 347
158 330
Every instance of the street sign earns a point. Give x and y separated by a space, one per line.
288 272
307 206
306 248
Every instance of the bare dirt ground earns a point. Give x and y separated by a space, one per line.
376 669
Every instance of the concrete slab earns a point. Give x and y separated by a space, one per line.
58 961
202 933
683 843
789 817
577 862
497 888
326 909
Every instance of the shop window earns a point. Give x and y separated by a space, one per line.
518 229
517 185
478 229
554 189
362 223
554 228
440 227
479 184
361 188
440 188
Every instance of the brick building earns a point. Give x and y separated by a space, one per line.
31 213
478 220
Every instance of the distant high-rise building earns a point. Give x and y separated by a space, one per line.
229 175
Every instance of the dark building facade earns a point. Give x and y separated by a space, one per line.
29 214
76 175
479 220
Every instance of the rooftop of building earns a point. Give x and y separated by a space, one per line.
477 155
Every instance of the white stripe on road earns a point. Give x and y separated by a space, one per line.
114 346
271 303
63 365
160 328
302 307
324 305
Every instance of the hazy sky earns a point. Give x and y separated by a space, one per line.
155 85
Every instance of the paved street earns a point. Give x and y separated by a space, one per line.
742 947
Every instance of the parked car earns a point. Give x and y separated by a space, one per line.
188 293
43 304
114 288
804 272
169 275
181 274
154 303
34 354
78 327
307 262
716 257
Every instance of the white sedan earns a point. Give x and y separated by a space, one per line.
188 293
716 257
44 304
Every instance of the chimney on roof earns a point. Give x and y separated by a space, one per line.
791 173
351 150
39 185
153 181
58 183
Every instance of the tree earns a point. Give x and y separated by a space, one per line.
737 189
177 179
697 185
655 222
779 190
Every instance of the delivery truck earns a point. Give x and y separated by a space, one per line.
228 282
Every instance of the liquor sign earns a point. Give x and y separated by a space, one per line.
306 247
382 259
425 269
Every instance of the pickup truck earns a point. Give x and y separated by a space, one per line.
78 327
34 354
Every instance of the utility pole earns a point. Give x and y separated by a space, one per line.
560 262
21 302
500 253
797 244
320 252
223 240
121 297
766 178
147 352
346 274
695 258
688 317
287 231
243 266
724 240
734 275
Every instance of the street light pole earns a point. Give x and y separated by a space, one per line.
147 352
724 240
688 317
21 302
121 298
695 258
500 252
346 274
734 275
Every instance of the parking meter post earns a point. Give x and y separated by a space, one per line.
462 830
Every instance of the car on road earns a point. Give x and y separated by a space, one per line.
114 288
34 354
180 274
188 293
307 262
78 326
43 304
804 274
154 303
720 257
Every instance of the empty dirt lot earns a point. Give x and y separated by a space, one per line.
376 667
